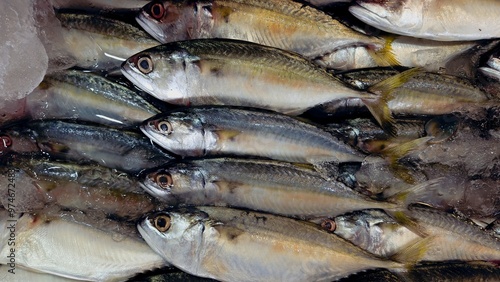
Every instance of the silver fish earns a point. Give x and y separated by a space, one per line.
443 20
286 25
75 251
88 97
234 245
101 43
374 231
238 73
269 186
450 237
112 148
234 131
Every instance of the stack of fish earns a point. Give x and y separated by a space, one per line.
259 141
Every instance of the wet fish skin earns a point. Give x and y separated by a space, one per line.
453 238
425 93
235 245
267 186
212 131
22 275
374 231
285 25
51 246
86 175
440 20
126 151
238 73
101 43
88 97
408 51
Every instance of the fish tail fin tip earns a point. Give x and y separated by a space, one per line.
384 56
414 193
378 105
413 252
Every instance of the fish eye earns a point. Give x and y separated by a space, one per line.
164 127
164 180
145 64
162 222
328 225
157 11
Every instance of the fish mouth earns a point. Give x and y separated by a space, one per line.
152 136
145 229
146 188
150 27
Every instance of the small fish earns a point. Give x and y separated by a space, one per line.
442 20
126 151
425 93
101 43
86 175
238 73
268 186
286 25
408 51
212 131
374 231
75 251
42 188
87 97
448 236
234 245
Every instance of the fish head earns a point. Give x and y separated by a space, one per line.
177 236
169 21
175 183
179 132
361 228
389 15
167 72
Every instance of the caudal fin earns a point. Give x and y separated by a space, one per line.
377 105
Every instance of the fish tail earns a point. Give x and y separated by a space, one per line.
395 153
378 105
412 195
413 252
384 56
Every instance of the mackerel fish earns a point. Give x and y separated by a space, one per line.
268 186
286 25
238 73
234 245
213 131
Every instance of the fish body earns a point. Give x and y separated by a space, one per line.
269 186
101 43
125 151
236 73
76 251
448 20
212 131
408 51
88 97
453 238
101 5
86 175
374 231
285 25
14 274
235 245
423 94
